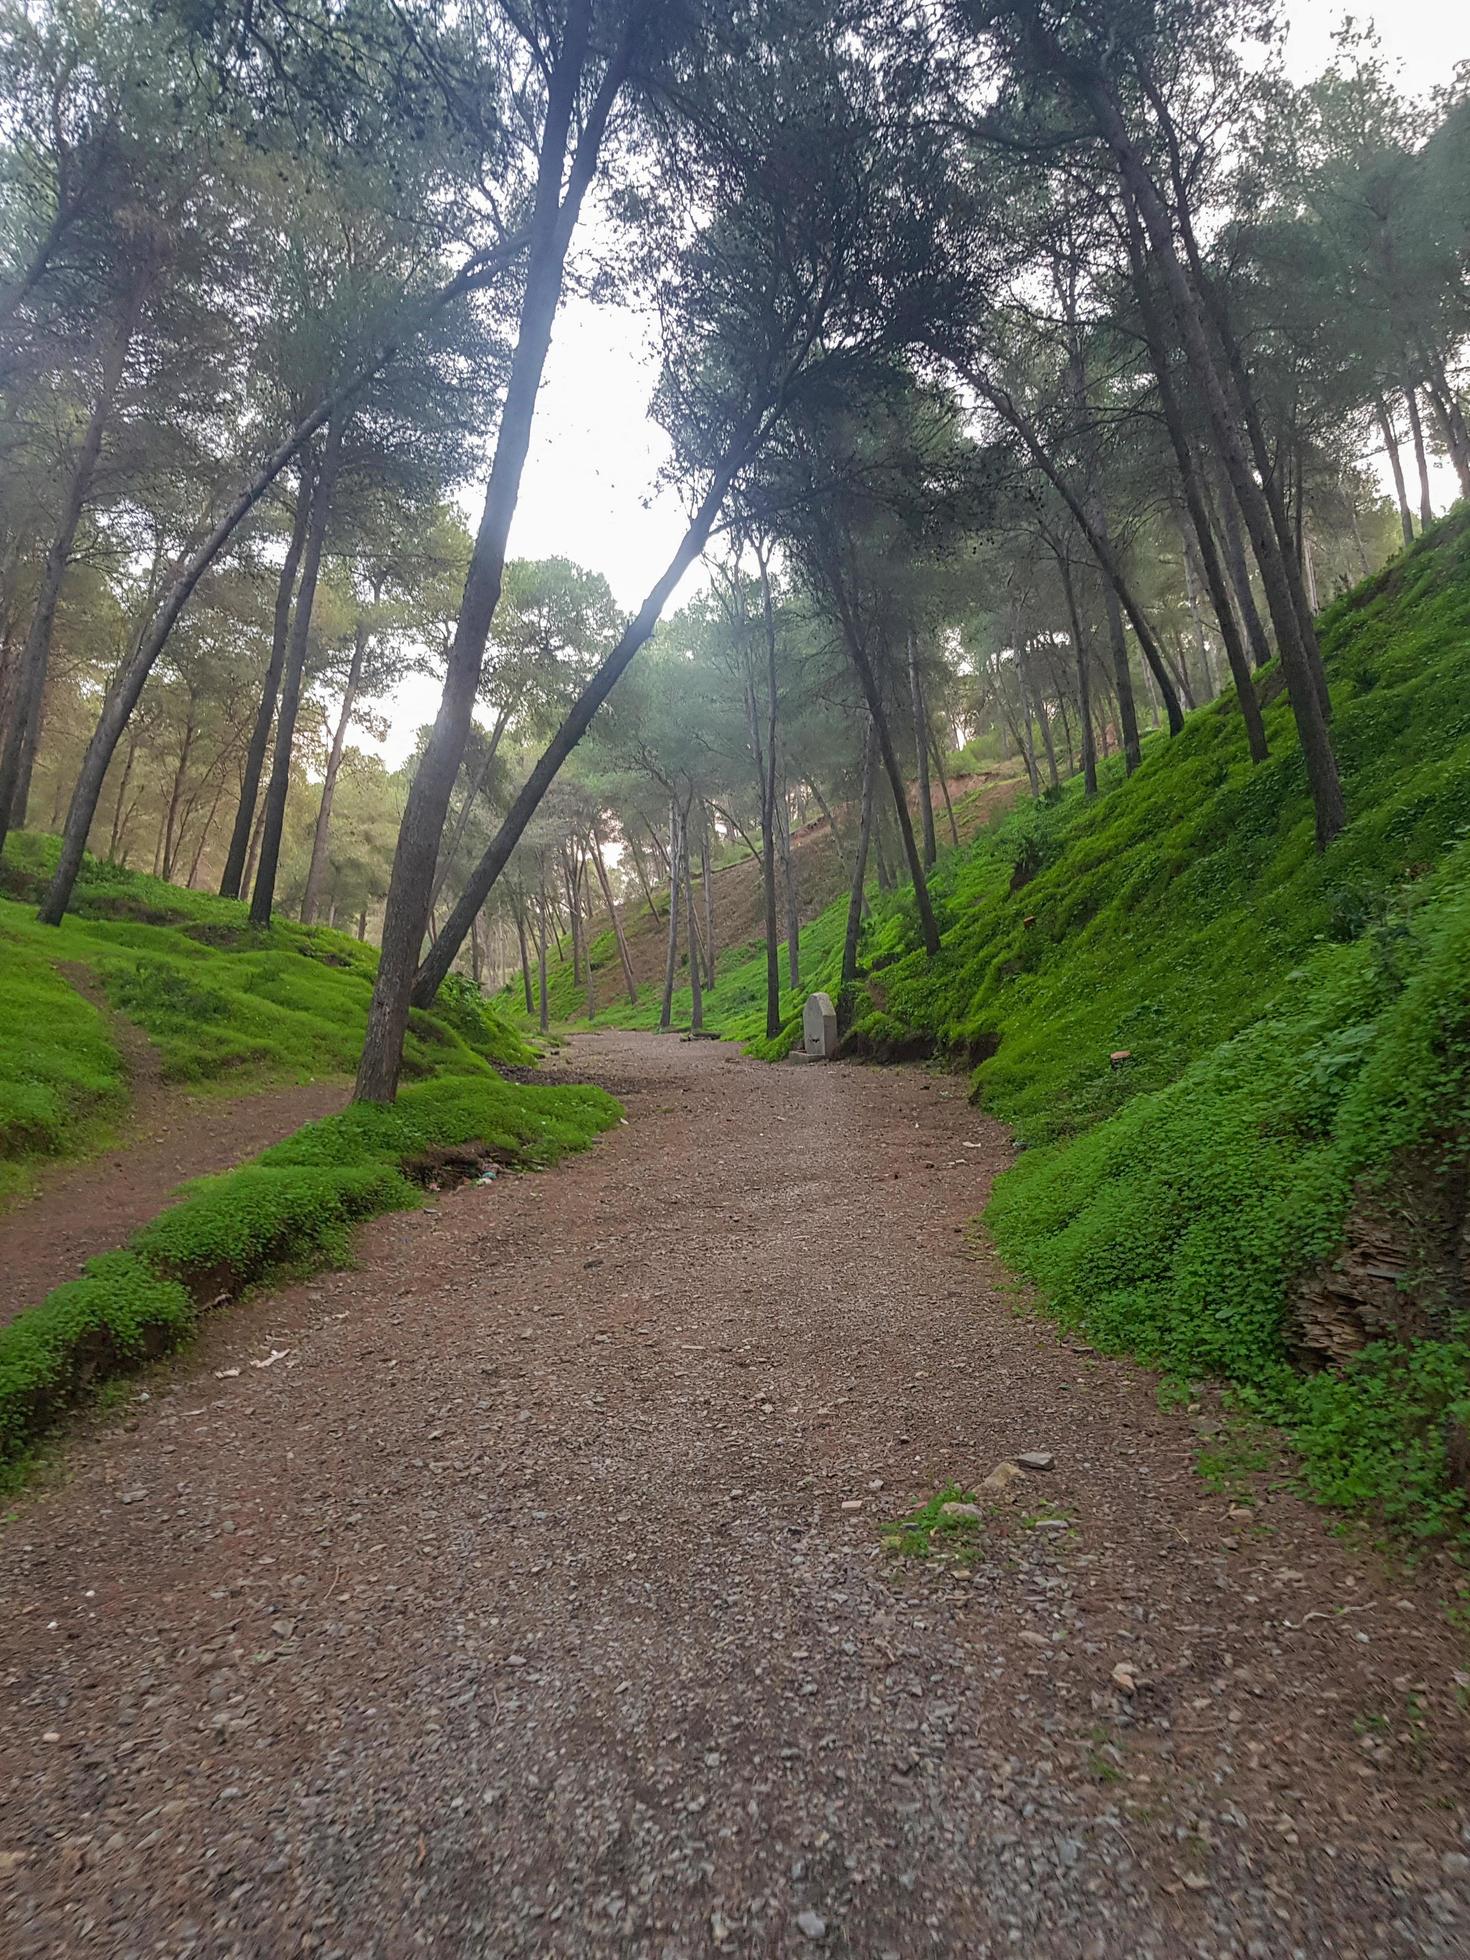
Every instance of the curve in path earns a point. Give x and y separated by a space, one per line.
531 1599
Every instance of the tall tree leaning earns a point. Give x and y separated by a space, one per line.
561 186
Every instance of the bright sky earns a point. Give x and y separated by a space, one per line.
589 488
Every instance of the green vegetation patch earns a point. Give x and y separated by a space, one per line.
292 1207
1228 1059
929 1532
223 1003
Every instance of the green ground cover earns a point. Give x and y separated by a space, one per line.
1297 1034
227 1005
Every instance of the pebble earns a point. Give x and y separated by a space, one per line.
812 1924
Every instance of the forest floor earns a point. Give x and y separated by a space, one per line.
169 1134
525 1592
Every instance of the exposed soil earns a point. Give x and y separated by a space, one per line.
523 1593
168 1135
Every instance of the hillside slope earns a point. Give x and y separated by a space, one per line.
736 1007
1239 1071
220 1002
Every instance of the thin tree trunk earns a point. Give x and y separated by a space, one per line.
1396 468
831 822
671 954
519 909
122 789
30 682
707 885
560 189
1421 460
612 916
263 895
316 874
860 862
545 1019
921 752
232 880
793 897
1084 678
122 696
767 762
696 992
938 756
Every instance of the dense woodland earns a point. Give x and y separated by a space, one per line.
1032 375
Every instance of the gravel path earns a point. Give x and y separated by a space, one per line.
532 1602
170 1134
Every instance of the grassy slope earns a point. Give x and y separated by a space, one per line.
1298 1029
737 1007
222 1003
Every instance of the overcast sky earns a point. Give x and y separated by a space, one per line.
589 487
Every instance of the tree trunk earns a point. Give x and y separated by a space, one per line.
860 862
316 874
574 725
612 917
30 681
518 907
1421 460
671 954
831 822
545 1018
122 789
555 212
696 992
176 790
1396 467
1293 638
707 885
793 897
766 762
232 881
263 895
1084 678
937 753
123 694
921 752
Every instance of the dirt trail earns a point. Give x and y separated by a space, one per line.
517 1608
170 1135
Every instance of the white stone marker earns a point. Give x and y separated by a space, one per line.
819 1028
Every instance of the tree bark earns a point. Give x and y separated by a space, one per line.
1421 460
671 954
555 213
1396 468
860 863
921 755
122 696
316 874
1084 678
545 1017
30 681
707 886
935 751
579 717
232 879
612 916
696 992
263 895
1292 638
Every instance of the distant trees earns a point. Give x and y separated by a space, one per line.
1025 372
